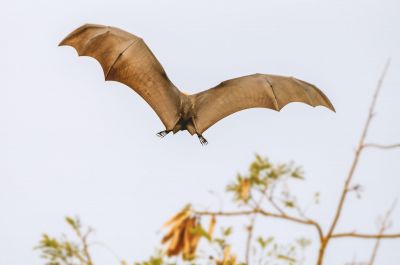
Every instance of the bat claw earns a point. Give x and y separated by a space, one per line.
203 140
162 133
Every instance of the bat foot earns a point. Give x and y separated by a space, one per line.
203 140
162 133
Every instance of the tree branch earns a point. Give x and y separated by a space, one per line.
251 226
385 224
275 205
85 245
366 236
266 214
250 229
382 146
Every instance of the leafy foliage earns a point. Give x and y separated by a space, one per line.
262 180
186 229
63 251
191 236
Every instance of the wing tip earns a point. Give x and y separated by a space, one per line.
63 42
326 102
331 107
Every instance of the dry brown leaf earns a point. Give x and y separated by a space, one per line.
176 244
182 237
193 243
195 237
168 236
175 226
178 218
186 239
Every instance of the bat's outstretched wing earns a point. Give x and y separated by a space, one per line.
253 91
125 58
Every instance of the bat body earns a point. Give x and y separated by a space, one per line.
126 58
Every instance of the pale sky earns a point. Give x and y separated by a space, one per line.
72 144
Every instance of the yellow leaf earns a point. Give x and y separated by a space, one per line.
178 218
244 189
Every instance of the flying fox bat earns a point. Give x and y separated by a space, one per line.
126 58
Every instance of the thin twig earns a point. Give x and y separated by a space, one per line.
385 224
85 245
106 247
366 236
275 205
382 146
252 223
270 198
250 230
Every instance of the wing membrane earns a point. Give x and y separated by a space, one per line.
126 58
254 91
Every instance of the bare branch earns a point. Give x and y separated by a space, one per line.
251 226
256 211
385 224
85 245
267 214
250 230
382 146
366 236
275 205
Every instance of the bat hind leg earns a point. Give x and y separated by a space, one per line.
203 140
163 133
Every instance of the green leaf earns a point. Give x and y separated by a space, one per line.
265 242
227 231
297 174
70 220
289 204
